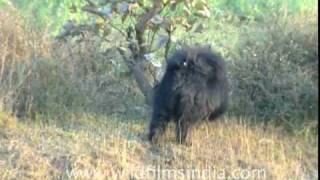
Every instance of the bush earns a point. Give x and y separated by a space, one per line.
39 77
275 74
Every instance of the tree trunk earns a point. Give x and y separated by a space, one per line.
139 75
135 66
142 81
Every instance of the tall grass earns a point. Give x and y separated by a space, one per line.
40 77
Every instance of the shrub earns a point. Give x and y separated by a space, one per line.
41 77
275 74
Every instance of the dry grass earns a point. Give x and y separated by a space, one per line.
92 147
18 40
21 45
41 76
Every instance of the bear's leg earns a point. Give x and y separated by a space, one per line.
182 128
157 127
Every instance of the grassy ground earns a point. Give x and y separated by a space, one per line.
93 147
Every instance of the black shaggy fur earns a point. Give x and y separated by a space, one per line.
193 88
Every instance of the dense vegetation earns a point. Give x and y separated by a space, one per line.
271 49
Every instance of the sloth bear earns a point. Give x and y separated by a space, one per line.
194 87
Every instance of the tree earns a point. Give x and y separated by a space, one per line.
139 17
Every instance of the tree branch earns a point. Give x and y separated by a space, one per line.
141 25
91 3
168 44
152 40
93 10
